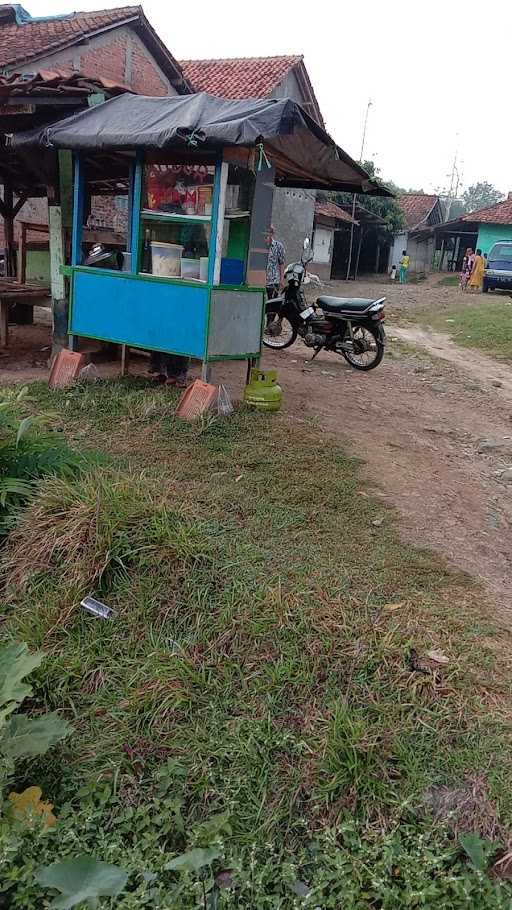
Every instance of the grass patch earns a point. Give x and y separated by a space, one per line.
486 326
262 634
449 281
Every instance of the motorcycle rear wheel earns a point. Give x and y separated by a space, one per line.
372 350
278 333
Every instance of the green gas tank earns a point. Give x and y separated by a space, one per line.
262 391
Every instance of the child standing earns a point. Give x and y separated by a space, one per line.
404 267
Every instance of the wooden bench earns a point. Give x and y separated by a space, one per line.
13 291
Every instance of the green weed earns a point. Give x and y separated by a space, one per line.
261 644
482 322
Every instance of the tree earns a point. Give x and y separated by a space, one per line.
387 208
480 196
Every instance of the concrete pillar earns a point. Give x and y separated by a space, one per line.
57 280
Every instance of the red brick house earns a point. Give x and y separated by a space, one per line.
267 77
120 44
255 77
422 211
117 44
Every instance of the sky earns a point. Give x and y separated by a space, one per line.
437 73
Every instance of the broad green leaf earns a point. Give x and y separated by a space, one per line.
194 860
23 429
81 879
15 664
478 849
217 824
24 737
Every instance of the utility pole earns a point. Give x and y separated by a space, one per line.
454 181
354 198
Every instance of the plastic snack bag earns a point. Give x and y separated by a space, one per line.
224 403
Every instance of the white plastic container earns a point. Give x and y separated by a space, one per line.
203 268
166 259
190 268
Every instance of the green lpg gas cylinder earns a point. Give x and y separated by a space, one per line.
262 391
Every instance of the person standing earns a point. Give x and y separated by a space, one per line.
404 267
467 265
169 368
275 264
477 272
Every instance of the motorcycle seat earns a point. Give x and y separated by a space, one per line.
346 304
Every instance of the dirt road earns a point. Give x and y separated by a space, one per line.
434 428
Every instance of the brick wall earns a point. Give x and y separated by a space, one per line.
145 78
109 60
119 55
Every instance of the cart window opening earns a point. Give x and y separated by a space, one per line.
106 229
175 249
179 189
237 225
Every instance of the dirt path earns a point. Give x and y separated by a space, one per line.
483 369
435 438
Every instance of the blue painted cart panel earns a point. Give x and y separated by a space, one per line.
141 312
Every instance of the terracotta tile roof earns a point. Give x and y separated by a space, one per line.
56 82
501 213
416 208
23 40
238 77
331 210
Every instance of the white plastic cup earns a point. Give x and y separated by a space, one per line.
190 268
203 268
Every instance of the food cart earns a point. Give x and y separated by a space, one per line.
193 177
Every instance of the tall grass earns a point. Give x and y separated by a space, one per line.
263 626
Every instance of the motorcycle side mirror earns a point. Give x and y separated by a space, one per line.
307 254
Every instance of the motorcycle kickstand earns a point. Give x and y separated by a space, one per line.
317 351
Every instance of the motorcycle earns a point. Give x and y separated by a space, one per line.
348 326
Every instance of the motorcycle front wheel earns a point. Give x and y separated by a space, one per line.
368 348
278 333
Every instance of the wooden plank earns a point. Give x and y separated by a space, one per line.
56 252
33 226
217 221
22 253
4 323
66 188
19 204
219 228
10 258
134 204
125 359
78 211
